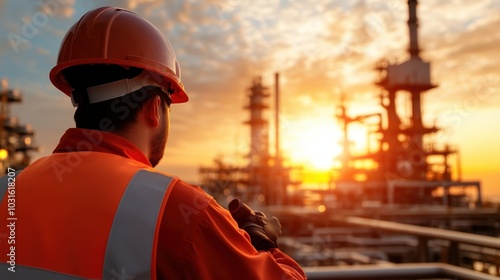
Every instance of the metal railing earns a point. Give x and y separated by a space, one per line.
394 271
487 245
461 237
457 250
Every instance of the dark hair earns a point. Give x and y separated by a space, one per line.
113 114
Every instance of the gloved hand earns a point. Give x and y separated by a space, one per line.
263 231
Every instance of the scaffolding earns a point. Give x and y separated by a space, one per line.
16 139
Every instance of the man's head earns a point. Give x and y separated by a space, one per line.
122 115
122 74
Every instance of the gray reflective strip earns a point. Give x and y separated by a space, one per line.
130 243
4 184
29 273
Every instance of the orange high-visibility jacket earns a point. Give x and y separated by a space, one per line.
96 209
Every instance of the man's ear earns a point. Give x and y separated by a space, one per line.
152 111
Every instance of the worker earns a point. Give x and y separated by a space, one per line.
96 208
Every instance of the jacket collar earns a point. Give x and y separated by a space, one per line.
83 140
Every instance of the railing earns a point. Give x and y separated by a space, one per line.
425 233
395 271
486 244
458 243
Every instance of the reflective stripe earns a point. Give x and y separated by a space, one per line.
4 180
29 273
130 243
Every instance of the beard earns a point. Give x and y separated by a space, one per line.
158 144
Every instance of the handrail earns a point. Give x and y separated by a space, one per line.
395 271
461 237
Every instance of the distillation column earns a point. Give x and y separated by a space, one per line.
258 165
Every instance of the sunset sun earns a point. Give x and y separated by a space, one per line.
312 142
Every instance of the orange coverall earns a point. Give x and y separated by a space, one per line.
66 207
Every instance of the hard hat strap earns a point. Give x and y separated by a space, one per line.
118 88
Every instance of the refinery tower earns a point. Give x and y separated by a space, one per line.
407 166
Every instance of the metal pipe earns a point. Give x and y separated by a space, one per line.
280 190
277 113
413 28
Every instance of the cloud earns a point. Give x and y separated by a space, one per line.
4 46
321 48
57 8
42 51
2 5
468 62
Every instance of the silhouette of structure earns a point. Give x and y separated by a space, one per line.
406 167
16 140
265 179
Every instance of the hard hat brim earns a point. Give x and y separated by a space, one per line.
57 77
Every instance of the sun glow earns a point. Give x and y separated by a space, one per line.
312 142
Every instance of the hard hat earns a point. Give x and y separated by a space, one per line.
110 35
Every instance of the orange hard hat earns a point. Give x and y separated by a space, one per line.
110 35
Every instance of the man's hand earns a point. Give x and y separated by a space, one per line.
263 231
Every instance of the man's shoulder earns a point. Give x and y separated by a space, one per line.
186 195
191 190
182 187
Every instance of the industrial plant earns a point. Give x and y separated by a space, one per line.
16 139
401 209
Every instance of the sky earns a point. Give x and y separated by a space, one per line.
323 50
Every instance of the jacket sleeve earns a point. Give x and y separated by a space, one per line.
213 247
